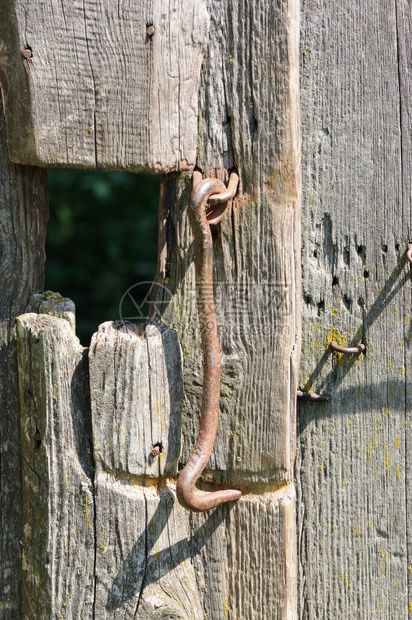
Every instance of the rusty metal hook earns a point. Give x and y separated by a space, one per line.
311 396
337 347
200 221
409 253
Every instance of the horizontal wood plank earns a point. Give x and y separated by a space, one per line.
97 90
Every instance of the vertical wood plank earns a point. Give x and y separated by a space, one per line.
249 120
23 216
136 394
246 568
353 466
143 561
144 566
58 523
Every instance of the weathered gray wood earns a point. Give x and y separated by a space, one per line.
255 246
136 398
249 120
246 557
58 522
143 564
98 91
143 551
23 215
354 458
258 325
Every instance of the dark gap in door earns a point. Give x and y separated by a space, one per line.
101 241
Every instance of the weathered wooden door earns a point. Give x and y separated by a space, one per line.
89 521
91 526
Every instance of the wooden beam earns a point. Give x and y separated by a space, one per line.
58 513
136 396
95 90
23 216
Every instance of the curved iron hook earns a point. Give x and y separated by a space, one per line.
409 253
200 222
337 347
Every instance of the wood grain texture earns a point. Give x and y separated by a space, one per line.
256 266
144 553
258 328
354 457
58 525
136 395
98 92
246 557
23 216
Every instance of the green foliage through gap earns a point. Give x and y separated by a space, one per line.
101 240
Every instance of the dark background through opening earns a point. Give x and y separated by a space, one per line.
101 240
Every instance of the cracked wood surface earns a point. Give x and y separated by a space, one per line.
98 92
134 368
354 452
23 216
58 523
248 111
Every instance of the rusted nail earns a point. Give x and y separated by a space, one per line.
155 451
217 203
150 30
217 199
336 347
409 253
311 396
186 491
27 52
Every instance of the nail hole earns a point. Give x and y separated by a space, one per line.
366 274
384 248
307 299
397 247
347 302
335 281
346 256
315 253
360 249
37 440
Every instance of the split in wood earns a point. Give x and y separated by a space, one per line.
348 350
311 396
200 222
